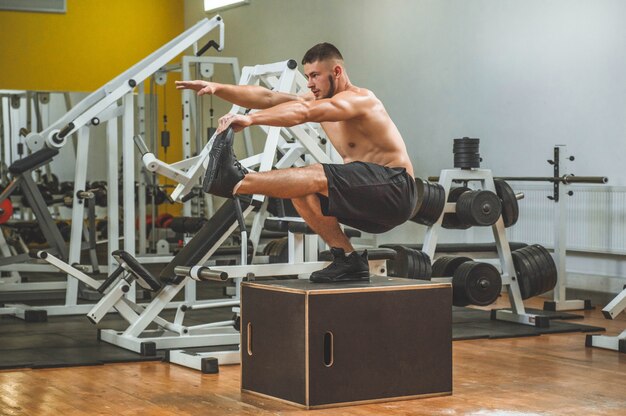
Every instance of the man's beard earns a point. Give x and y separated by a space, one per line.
331 91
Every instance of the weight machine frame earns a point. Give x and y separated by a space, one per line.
136 337
102 106
610 311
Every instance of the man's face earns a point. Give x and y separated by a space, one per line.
320 79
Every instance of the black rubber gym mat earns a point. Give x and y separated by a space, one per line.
63 341
468 323
66 341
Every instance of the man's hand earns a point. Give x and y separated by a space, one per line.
237 121
201 87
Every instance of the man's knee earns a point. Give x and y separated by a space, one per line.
319 176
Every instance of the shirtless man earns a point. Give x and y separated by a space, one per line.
373 190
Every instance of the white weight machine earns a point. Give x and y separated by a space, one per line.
115 100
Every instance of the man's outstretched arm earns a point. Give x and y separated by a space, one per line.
247 96
343 106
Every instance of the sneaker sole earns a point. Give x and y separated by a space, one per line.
353 277
211 171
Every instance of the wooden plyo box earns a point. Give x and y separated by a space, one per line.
323 345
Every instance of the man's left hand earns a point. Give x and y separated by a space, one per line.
237 121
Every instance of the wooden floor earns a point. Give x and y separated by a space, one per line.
544 375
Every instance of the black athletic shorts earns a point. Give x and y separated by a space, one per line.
367 196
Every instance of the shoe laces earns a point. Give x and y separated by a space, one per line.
239 166
336 262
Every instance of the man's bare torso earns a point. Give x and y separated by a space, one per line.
371 137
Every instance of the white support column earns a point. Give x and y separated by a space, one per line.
187 98
128 180
78 213
6 131
559 295
16 119
141 198
113 233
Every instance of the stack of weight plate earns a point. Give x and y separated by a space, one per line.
431 201
473 283
466 153
535 269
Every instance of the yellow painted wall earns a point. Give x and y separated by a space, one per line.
92 43
84 48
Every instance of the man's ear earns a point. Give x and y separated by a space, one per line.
337 71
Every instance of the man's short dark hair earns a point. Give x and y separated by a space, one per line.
321 52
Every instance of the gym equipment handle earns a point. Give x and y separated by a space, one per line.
109 280
206 47
200 272
141 144
65 130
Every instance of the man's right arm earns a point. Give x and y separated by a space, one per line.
247 96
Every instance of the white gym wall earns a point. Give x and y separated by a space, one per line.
520 75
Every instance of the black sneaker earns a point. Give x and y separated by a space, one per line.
224 170
353 267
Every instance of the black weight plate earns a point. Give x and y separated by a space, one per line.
440 203
398 267
481 208
433 206
491 207
467 165
430 206
481 283
524 272
450 220
439 266
392 265
510 206
469 154
537 257
425 269
541 268
465 146
51 182
420 186
279 251
268 248
445 266
459 297
427 203
536 277
66 187
466 157
547 264
424 203
412 263
466 141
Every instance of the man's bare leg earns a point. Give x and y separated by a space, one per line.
301 186
285 183
353 267
326 227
